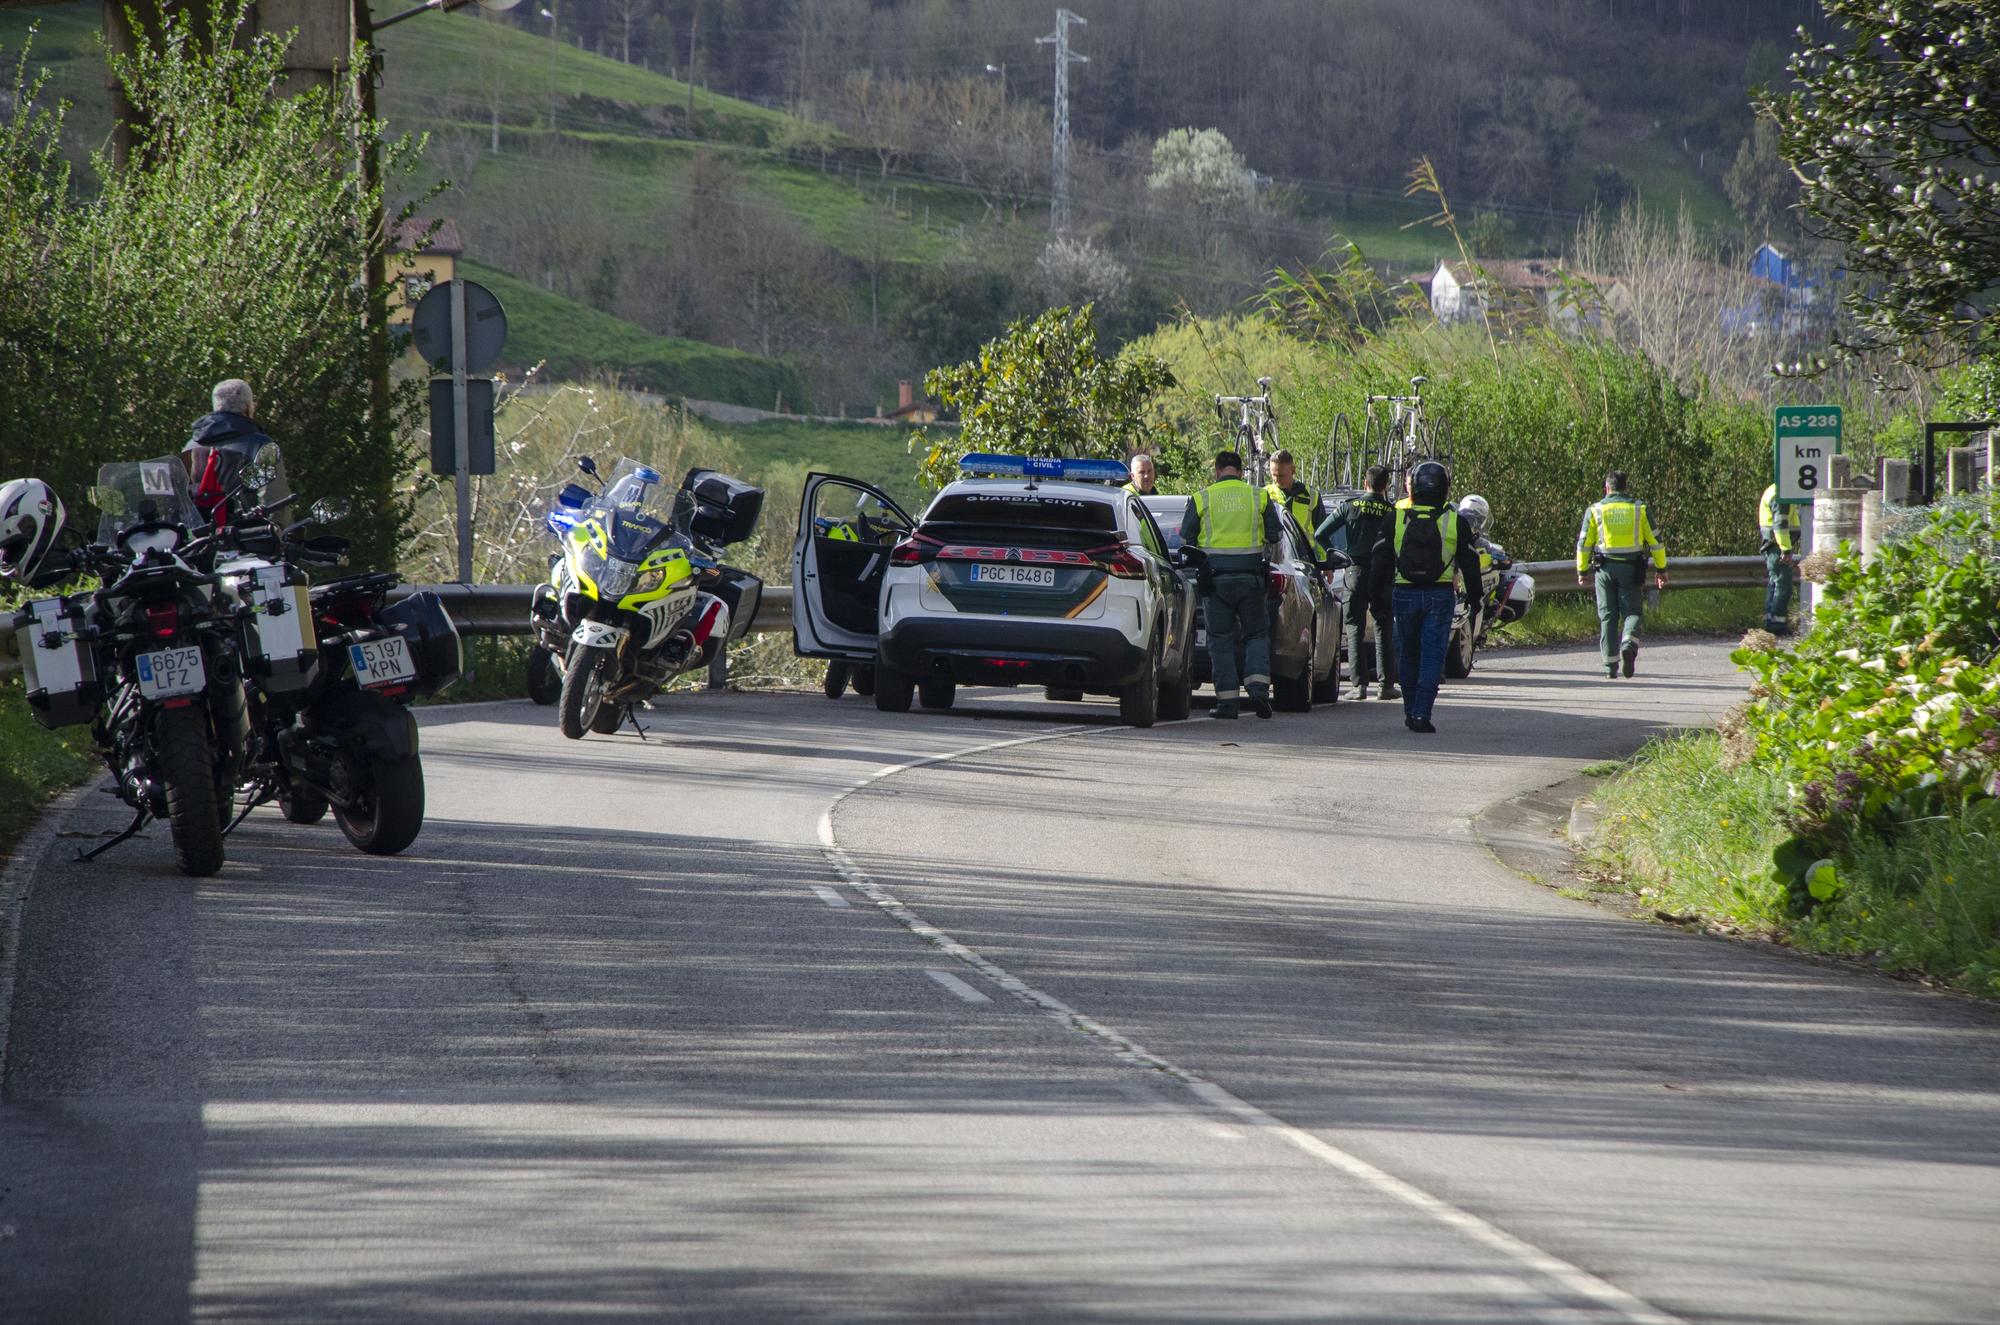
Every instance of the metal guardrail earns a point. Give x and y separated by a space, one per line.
484 609
502 609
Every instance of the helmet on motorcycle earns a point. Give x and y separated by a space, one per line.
30 518
1430 482
1476 512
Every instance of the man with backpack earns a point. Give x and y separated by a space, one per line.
1426 544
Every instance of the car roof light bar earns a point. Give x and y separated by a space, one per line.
1068 470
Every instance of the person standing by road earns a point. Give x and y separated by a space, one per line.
1230 523
1366 520
1287 491
1617 539
1428 542
1145 474
1778 540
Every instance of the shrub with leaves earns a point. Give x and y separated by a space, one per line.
1888 714
1042 388
231 244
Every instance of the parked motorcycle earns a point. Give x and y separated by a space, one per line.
331 671
151 660
637 594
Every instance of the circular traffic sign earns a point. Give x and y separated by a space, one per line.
485 327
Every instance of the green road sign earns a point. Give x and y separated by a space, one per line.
1805 438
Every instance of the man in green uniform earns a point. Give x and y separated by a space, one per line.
1617 540
1287 491
1231 522
1778 535
1366 520
1144 475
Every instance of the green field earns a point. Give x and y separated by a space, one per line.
784 450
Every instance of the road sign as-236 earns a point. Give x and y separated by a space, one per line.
1805 440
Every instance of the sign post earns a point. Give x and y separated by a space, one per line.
459 325
1805 438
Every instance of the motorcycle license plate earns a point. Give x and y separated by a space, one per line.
382 662
1035 577
171 672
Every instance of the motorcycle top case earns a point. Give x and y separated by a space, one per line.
61 673
725 508
280 646
435 650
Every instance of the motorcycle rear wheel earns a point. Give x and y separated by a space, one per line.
544 677
388 813
187 775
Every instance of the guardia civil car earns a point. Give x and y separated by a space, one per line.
1025 571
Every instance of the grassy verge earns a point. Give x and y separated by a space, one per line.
35 764
1693 838
1572 618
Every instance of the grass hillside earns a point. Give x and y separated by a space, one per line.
578 342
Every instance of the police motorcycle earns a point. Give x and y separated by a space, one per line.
330 669
151 659
637 594
1506 592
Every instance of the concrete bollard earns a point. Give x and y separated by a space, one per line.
1893 478
1836 519
1958 470
1839 471
1871 525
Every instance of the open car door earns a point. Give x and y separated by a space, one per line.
846 529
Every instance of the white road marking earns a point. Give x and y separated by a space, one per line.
958 986
831 896
1573 1279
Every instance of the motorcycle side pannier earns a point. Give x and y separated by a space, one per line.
741 592
725 508
280 646
60 672
435 649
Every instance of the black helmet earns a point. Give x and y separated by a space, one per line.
1430 483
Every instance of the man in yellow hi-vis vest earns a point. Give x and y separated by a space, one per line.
1145 474
1285 490
1778 540
1617 539
1230 522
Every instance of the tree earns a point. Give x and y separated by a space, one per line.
1895 139
1200 169
1759 183
1043 389
1076 271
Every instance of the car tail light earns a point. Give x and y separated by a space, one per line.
1005 662
1277 584
1052 557
1122 563
163 619
911 550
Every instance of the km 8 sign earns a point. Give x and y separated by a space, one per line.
1806 438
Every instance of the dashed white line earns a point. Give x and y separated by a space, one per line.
958 987
1573 1279
831 896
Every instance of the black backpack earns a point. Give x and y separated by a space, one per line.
1421 559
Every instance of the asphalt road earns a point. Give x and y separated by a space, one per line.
1213 1022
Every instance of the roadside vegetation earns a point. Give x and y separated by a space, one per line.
35 764
1850 806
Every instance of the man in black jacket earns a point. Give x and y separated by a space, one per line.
1427 542
1366 520
230 437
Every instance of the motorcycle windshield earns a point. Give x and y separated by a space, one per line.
142 492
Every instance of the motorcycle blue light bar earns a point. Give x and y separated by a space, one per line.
1067 470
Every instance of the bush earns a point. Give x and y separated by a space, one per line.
231 245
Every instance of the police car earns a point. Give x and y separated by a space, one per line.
1025 571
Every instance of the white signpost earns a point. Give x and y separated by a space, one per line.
1805 438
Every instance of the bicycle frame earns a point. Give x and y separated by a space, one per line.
1256 423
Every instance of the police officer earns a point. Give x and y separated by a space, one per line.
1144 475
1617 539
1366 520
1427 542
1285 490
1778 535
1230 523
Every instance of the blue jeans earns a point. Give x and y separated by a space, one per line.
1237 610
1777 589
1423 630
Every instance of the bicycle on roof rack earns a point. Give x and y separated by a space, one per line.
1395 432
1255 429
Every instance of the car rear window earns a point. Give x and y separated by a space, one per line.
1021 514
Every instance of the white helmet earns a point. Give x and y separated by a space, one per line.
30 518
1476 512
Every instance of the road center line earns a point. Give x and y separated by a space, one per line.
1572 1278
958 987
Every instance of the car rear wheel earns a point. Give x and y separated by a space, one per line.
894 690
1177 695
863 681
1139 703
838 673
1293 694
937 692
